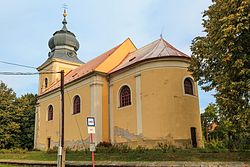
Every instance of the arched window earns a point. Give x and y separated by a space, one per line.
125 96
188 86
50 112
46 82
76 104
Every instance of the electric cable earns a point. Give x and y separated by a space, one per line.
15 64
26 73
26 66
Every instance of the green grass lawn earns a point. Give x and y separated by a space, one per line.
5 165
135 155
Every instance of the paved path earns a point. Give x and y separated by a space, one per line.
128 164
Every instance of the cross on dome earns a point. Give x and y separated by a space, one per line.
64 22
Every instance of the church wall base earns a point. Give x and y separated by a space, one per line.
151 144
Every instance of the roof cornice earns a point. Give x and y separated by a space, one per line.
52 60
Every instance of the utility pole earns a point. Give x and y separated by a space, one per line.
61 151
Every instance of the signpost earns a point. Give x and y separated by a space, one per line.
91 131
91 121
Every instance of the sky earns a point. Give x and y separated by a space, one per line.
27 25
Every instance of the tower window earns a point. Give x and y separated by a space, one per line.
125 96
46 82
77 105
50 112
188 86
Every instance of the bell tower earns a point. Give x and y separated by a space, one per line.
62 56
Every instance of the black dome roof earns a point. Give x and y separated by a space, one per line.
63 37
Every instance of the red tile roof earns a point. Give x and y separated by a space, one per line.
158 48
83 69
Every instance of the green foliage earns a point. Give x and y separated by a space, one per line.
215 145
140 149
13 150
26 109
220 138
221 61
241 143
9 128
104 144
17 119
149 155
122 148
109 148
54 150
208 117
166 147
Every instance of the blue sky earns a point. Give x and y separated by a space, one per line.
27 25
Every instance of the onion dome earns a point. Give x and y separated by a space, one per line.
64 37
64 44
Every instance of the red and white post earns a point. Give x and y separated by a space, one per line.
91 131
93 152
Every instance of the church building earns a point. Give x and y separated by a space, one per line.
138 96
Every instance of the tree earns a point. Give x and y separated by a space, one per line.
26 114
208 117
221 61
9 128
212 125
17 119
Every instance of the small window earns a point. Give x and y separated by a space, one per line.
50 112
46 82
188 86
125 96
77 105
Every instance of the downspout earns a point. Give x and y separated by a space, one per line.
109 124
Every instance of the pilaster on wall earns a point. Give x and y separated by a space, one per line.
111 114
138 104
37 122
96 106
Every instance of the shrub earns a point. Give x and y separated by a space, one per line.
13 150
214 145
122 148
104 144
141 149
239 144
53 150
118 148
166 147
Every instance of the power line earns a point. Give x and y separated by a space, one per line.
15 64
26 73
21 65
18 73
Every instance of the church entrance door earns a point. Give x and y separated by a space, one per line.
193 137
